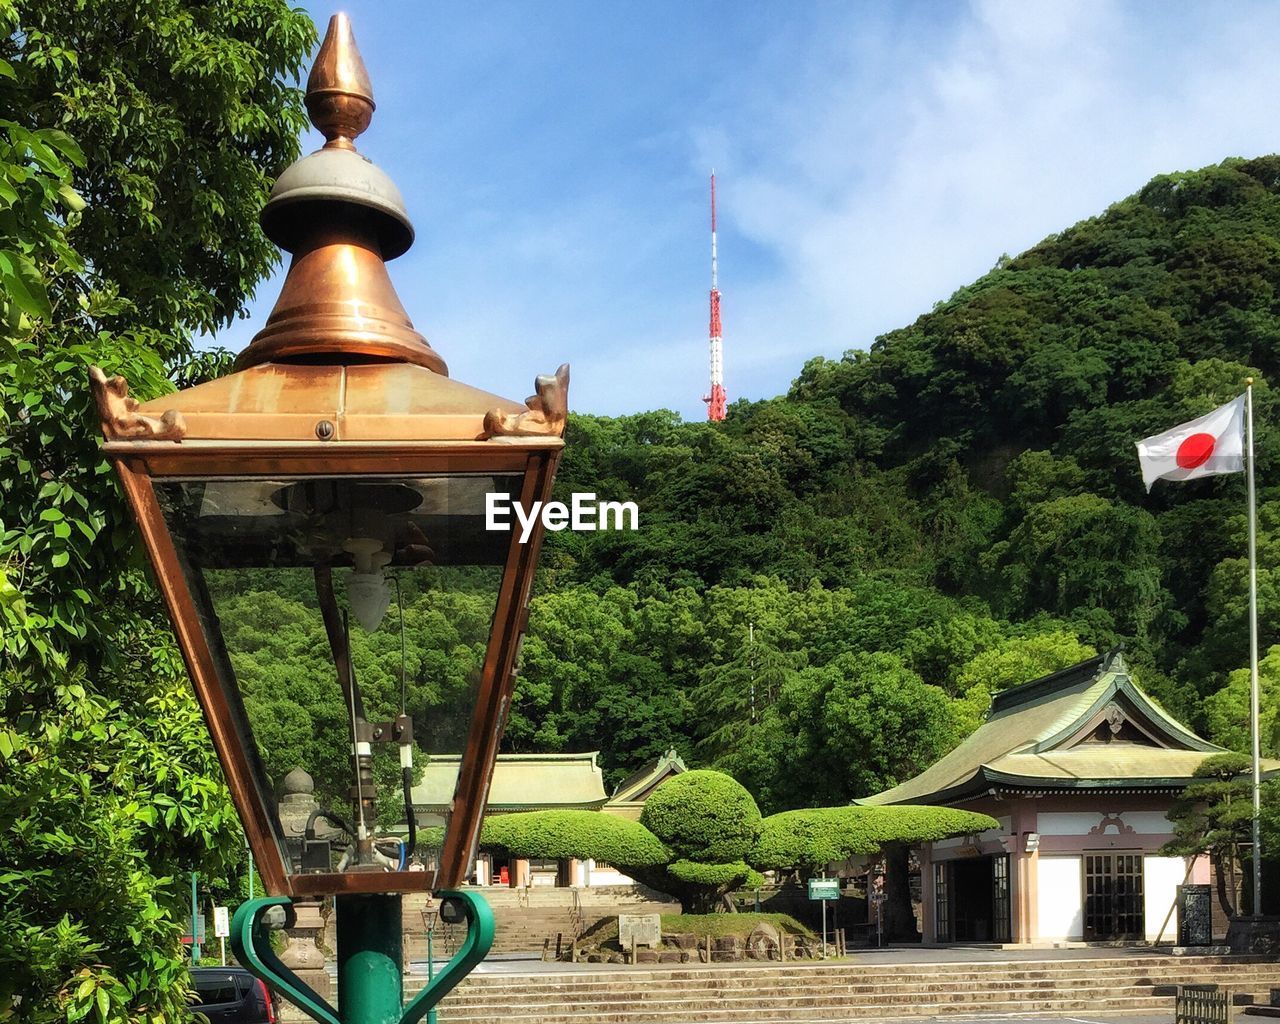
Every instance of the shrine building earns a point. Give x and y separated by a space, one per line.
1080 769
539 782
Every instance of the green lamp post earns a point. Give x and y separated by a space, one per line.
338 468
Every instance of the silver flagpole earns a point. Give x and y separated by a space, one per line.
1253 658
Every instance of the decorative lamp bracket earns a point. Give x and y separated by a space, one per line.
119 413
252 946
546 414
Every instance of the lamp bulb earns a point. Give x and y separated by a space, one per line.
368 592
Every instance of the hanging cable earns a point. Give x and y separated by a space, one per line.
412 843
332 819
400 611
363 832
406 749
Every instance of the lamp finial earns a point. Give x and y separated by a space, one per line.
339 94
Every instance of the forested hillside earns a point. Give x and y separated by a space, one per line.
826 588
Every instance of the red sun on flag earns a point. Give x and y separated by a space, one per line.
1208 445
1195 450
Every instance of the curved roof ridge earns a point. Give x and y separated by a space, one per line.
1029 722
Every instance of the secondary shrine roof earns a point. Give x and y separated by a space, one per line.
629 797
521 782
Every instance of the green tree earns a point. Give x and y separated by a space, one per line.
1227 714
1013 661
709 823
137 148
860 724
1214 816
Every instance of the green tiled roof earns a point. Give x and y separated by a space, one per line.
521 782
1032 734
637 785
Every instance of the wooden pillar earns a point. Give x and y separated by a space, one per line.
1024 864
928 900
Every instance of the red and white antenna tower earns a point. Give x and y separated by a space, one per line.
716 399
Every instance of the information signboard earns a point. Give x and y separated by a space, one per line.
221 922
200 923
824 888
640 929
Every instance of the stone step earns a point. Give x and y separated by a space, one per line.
855 993
793 994
747 1009
821 1015
852 973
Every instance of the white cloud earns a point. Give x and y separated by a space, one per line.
872 159
881 199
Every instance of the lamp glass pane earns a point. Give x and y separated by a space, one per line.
265 559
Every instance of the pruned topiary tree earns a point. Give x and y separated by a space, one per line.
809 839
588 835
1214 816
709 822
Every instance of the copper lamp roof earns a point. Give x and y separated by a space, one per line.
342 218
338 358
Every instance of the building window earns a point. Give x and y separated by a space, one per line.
941 904
1000 897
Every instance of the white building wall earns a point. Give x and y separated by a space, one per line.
1161 877
1079 823
604 875
1059 898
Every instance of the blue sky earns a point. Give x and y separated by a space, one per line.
871 158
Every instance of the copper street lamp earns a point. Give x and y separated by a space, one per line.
340 465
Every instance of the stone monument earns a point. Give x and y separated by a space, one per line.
303 953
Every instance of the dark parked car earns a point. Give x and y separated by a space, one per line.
231 995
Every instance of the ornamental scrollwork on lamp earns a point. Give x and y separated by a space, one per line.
119 412
546 414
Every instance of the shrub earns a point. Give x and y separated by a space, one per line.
703 816
809 839
708 822
733 875
582 834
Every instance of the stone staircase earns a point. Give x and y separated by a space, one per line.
528 918
845 991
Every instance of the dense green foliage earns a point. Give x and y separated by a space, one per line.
810 839
708 822
1214 815
723 878
827 588
136 147
582 834
702 815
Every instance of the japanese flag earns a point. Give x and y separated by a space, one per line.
1214 443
